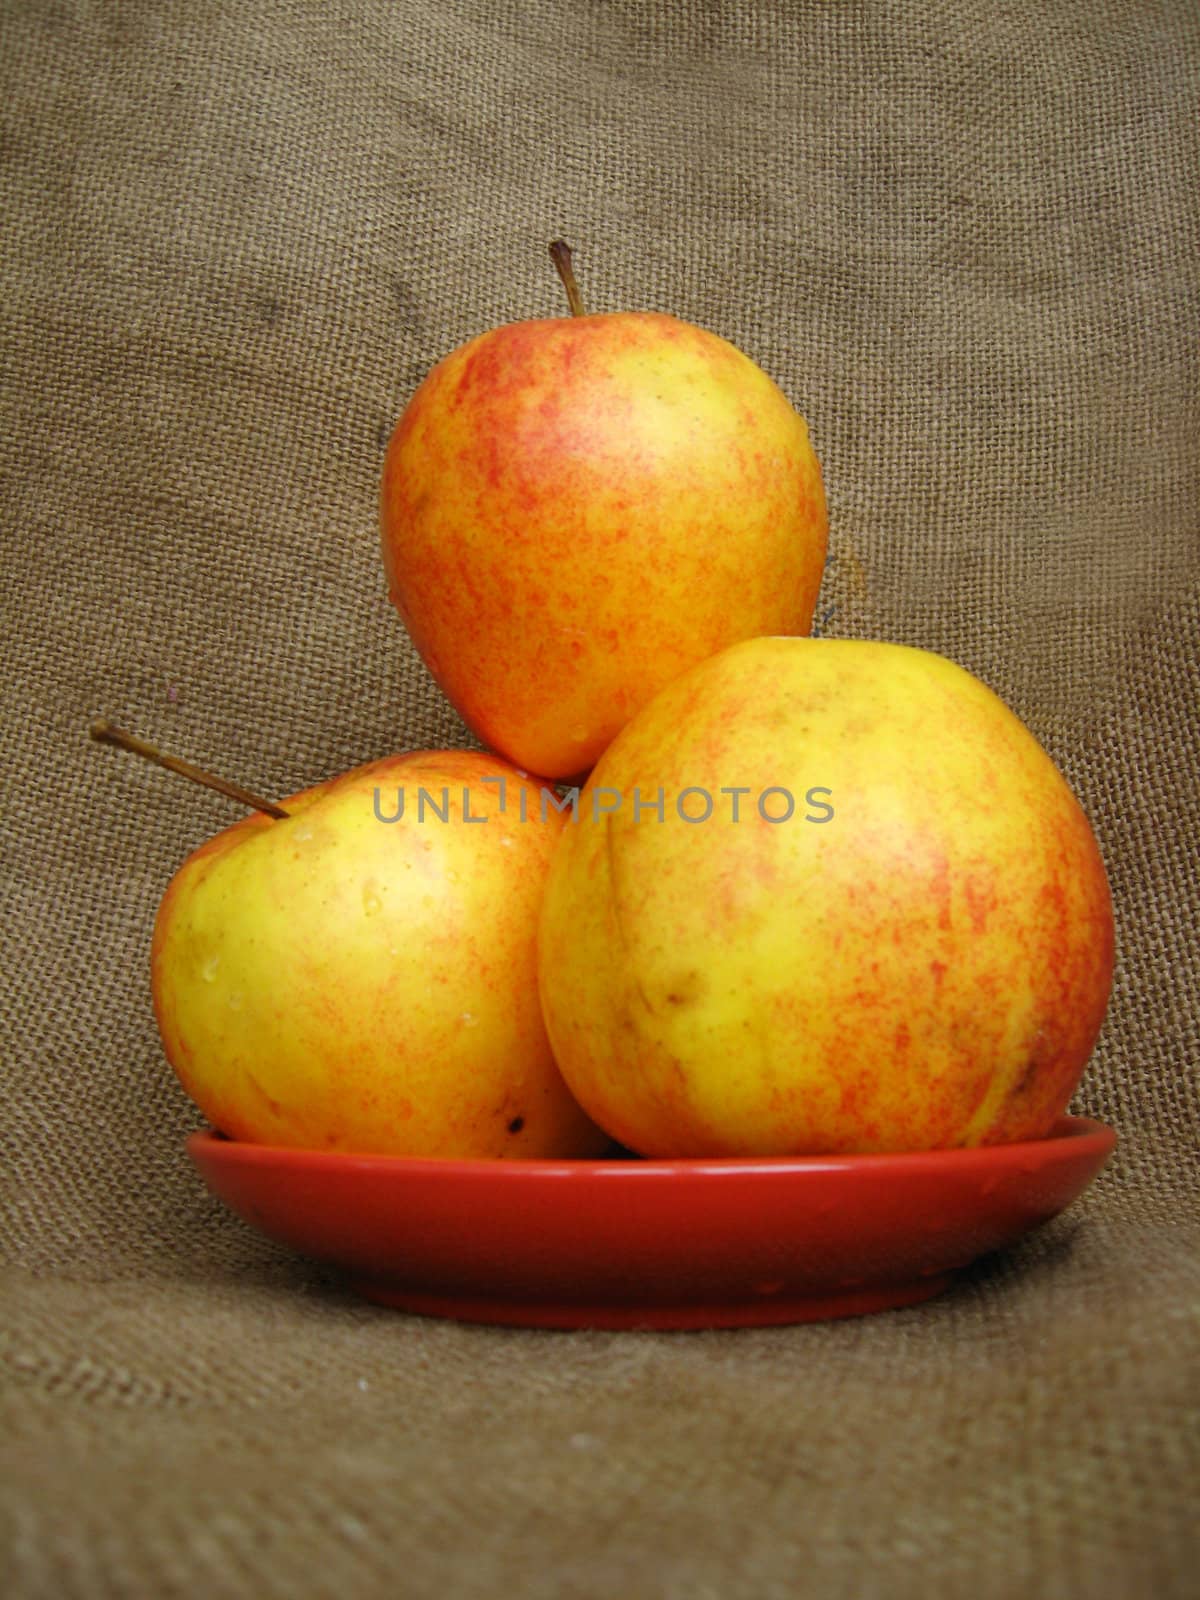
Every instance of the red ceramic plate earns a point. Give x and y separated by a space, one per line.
625 1243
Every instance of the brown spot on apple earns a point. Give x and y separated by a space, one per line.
686 989
271 1103
1028 1076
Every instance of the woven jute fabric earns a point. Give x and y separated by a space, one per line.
964 238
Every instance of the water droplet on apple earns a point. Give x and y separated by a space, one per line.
303 835
209 970
372 904
469 1019
507 841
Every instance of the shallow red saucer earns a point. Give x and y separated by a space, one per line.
626 1243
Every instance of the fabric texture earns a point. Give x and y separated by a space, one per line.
964 239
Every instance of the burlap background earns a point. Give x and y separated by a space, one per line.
964 238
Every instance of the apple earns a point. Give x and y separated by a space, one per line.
904 941
345 977
576 510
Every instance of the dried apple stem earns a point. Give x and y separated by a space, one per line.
560 251
106 733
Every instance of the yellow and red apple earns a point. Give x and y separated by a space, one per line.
576 510
360 975
904 941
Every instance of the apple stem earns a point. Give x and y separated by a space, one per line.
560 251
106 733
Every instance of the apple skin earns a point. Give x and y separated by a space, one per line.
929 968
576 510
330 981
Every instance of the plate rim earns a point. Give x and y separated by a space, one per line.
1071 1133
